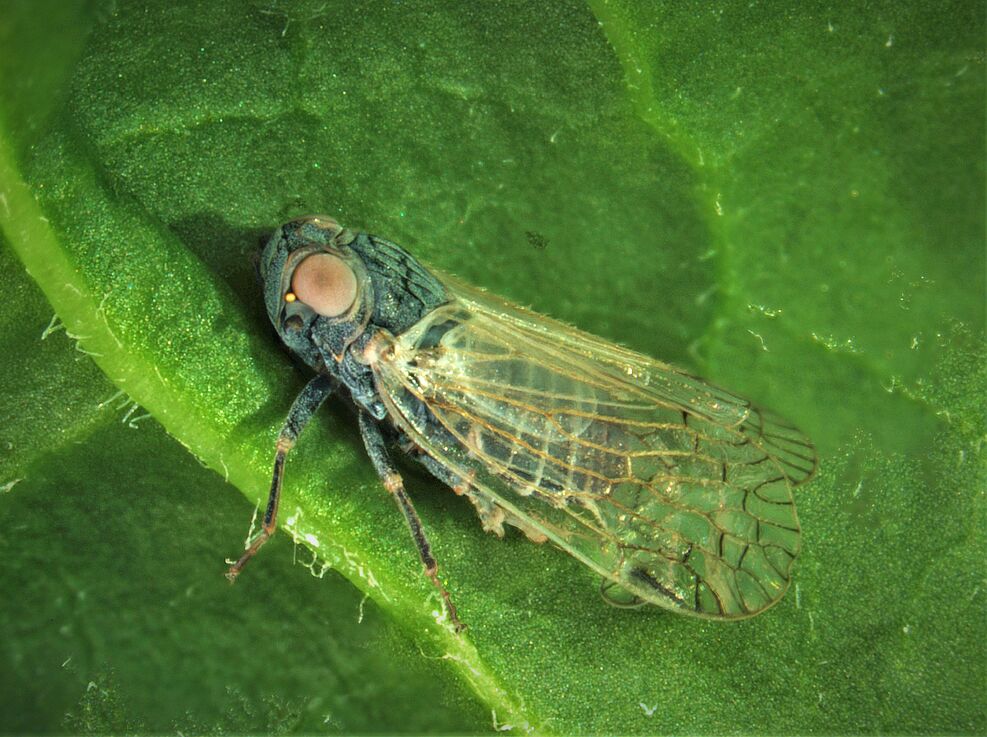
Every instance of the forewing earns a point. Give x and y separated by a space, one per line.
678 492
663 383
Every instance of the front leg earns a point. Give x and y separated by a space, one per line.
304 406
377 450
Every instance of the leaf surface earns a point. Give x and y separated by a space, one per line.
788 202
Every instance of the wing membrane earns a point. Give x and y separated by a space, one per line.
676 491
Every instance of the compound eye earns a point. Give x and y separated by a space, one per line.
325 283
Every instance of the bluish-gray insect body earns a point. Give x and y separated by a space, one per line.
675 492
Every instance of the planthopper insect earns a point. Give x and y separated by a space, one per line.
675 492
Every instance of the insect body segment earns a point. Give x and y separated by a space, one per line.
677 493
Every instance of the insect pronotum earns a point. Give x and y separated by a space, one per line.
675 492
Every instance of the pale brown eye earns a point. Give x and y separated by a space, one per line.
325 283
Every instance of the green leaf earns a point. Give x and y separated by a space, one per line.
788 200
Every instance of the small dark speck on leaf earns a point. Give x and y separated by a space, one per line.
536 239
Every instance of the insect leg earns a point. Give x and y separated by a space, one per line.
453 480
304 406
492 517
377 450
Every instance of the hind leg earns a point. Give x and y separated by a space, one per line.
492 517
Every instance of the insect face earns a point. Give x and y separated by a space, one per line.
313 281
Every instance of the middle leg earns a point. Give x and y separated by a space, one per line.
377 450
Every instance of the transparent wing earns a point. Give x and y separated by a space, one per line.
676 491
661 382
